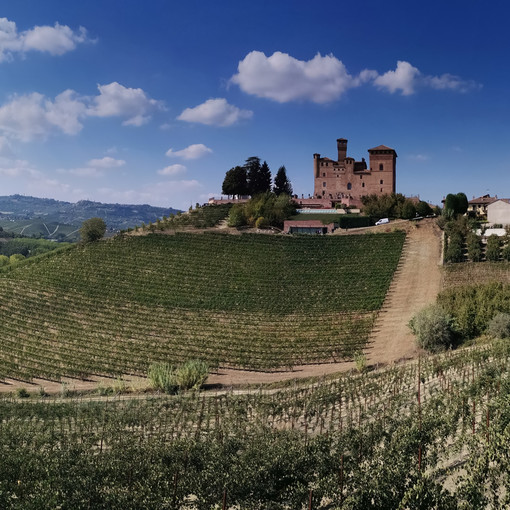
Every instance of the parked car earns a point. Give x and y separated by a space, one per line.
382 221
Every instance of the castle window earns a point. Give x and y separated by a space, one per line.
381 167
381 182
324 174
349 185
323 184
362 184
361 177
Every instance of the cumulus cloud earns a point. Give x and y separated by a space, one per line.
55 40
215 112
115 100
30 116
194 151
284 78
18 168
106 162
323 79
403 79
172 170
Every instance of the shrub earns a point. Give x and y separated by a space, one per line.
167 378
454 248
22 393
236 216
261 222
361 362
434 328
162 377
492 249
92 230
4 260
191 375
505 253
474 247
499 326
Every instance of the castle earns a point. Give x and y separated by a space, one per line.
347 180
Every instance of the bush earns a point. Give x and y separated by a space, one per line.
191 375
499 326
474 247
92 230
261 222
162 377
492 249
454 248
167 378
434 328
236 216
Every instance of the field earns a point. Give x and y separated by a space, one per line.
472 273
428 434
254 302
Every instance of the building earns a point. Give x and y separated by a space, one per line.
478 206
498 212
346 180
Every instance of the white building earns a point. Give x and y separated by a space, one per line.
499 212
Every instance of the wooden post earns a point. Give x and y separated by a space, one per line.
310 499
224 504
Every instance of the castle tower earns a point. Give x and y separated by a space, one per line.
383 163
341 144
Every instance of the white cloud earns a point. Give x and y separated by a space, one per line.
106 162
18 168
55 40
115 100
5 147
284 78
172 170
86 171
418 157
451 82
404 78
30 116
194 151
215 112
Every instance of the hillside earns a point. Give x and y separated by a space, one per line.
55 219
250 301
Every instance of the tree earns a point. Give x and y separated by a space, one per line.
92 230
423 209
282 183
408 210
434 328
235 182
455 205
259 176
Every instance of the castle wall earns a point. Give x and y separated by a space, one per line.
347 178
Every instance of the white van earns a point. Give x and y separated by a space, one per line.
382 221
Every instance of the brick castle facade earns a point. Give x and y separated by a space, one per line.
347 180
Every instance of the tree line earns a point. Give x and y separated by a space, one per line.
254 178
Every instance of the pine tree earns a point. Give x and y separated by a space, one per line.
282 183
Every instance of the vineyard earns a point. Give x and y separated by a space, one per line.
471 273
254 302
428 434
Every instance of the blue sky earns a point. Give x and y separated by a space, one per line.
152 102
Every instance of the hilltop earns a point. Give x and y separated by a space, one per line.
55 219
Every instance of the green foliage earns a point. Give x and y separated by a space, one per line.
434 328
455 205
423 209
493 248
275 209
261 222
4 260
203 217
505 252
474 247
14 259
236 216
107 308
92 230
168 378
259 176
454 248
191 375
235 182
499 326
162 377
360 360
473 306
393 205
282 184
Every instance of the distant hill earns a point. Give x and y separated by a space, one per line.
55 219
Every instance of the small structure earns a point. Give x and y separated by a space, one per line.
498 212
307 227
478 206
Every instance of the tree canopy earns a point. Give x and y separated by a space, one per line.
92 230
235 182
258 175
455 205
281 182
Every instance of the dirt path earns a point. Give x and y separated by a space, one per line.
415 285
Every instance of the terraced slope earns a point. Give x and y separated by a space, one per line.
256 302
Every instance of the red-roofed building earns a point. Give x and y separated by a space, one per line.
478 206
347 180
